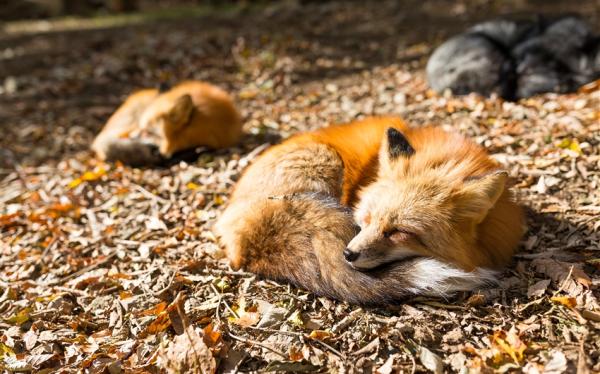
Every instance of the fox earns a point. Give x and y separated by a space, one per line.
151 126
517 59
373 211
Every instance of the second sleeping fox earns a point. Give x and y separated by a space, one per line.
150 126
434 211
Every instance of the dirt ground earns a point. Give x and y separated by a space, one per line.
106 268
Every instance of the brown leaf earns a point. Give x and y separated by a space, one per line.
155 310
245 315
538 289
569 277
187 353
166 316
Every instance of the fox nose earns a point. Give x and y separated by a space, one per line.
350 256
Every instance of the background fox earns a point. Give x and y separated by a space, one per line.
517 59
151 126
431 199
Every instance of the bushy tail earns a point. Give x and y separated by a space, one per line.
300 239
133 152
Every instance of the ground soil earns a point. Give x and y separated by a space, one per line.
107 268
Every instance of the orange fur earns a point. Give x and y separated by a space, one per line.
289 216
189 115
450 201
357 144
122 124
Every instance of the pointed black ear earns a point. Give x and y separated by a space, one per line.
163 87
398 145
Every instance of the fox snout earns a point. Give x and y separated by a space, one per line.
371 248
350 256
366 250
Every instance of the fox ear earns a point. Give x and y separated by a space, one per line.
180 112
397 144
393 146
479 195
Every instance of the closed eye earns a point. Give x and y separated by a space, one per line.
404 235
389 233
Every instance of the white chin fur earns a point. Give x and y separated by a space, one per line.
435 278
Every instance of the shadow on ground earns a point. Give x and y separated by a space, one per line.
66 81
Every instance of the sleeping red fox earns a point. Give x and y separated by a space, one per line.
152 126
434 211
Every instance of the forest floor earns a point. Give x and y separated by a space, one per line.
107 268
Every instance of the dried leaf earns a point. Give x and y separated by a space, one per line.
369 348
538 289
155 310
13 364
566 275
509 343
291 366
388 365
430 360
187 353
271 314
557 363
245 316
87 177
320 334
569 302
19 318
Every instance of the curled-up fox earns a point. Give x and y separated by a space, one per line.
151 126
373 211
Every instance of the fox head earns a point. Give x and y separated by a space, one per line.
164 119
420 205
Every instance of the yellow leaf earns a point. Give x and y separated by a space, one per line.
192 185
75 182
245 316
248 94
218 200
222 284
6 351
96 174
509 343
124 295
93 175
569 302
296 319
571 144
19 318
320 334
